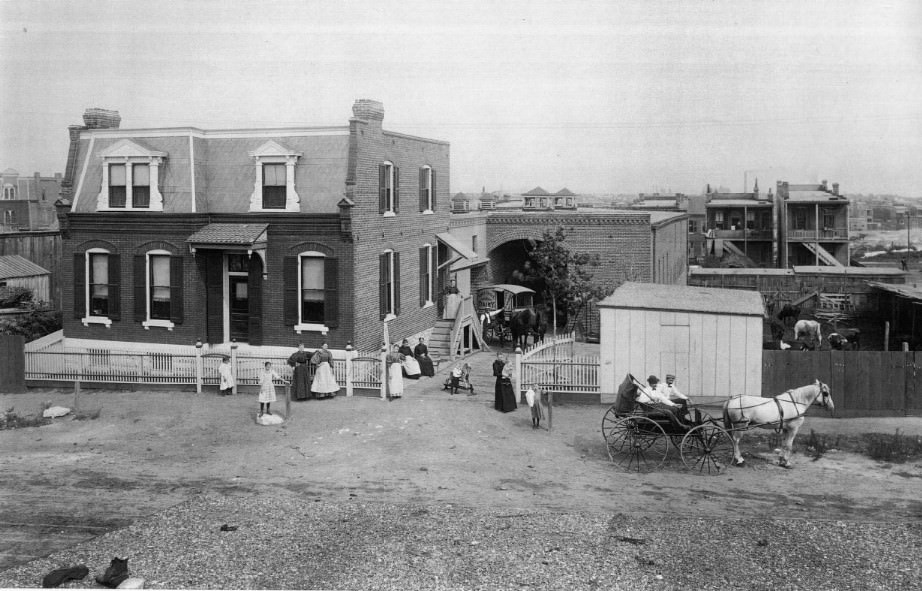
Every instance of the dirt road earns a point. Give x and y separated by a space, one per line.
73 480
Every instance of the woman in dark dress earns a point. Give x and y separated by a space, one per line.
421 352
301 375
508 390
498 366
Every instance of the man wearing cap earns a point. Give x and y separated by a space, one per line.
675 395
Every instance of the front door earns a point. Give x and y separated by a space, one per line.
238 295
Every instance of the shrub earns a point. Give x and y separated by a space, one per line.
10 420
897 448
37 322
818 444
15 297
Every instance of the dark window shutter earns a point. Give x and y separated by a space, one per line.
214 288
432 186
382 188
331 292
382 285
115 284
434 260
290 280
423 271
422 189
140 287
396 284
79 284
396 189
176 280
255 287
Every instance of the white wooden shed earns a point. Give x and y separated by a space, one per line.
709 338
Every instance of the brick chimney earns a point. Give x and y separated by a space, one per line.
835 189
368 110
96 118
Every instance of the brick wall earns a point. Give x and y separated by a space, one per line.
131 234
405 232
622 240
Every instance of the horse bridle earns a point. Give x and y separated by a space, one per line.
824 395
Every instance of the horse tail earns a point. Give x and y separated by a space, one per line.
726 415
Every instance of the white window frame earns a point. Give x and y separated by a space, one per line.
428 188
389 187
302 326
147 324
431 288
390 315
129 153
9 192
89 319
273 153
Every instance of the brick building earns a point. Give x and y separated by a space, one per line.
263 236
27 203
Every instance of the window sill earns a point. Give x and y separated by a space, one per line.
126 209
158 323
428 305
428 212
389 214
321 328
97 320
390 316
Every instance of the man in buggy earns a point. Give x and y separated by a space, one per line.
658 397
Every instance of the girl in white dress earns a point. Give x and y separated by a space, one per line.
267 388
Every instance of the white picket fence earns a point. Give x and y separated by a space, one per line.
56 360
553 366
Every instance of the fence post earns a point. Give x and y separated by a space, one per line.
887 335
287 401
350 355
76 395
550 409
234 363
199 368
518 374
385 387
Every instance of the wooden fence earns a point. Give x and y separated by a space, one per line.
863 383
553 366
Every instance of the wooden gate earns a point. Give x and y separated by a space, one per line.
863 383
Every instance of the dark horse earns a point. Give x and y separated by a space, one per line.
525 322
788 312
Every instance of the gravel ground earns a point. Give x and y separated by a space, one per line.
291 542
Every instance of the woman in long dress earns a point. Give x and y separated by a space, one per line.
411 368
395 373
498 366
301 375
324 385
508 391
421 352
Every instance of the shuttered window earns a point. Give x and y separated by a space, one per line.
311 291
389 283
388 188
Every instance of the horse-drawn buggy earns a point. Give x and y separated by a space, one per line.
507 313
639 435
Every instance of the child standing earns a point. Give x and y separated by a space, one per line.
226 374
533 399
267 388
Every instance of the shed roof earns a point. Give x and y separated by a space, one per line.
229 234
685 298
13 265
906 291
831 270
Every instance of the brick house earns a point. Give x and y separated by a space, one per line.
262 236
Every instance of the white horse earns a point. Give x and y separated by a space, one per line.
784 412
809 328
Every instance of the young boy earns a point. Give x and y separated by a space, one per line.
456 373
227 377
533 399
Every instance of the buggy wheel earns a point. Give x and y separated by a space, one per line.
637 443
608 422
707 448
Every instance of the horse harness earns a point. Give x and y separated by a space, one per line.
780 421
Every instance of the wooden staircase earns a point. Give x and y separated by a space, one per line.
447 341
440 339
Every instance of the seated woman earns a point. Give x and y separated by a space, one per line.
421 352
410 366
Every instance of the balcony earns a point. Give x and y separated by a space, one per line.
743 234
824 234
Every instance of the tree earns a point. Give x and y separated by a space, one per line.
566 275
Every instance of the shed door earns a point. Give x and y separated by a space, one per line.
674 345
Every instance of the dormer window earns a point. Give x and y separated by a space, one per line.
130 178
274 187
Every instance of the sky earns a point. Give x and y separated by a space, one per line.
598 96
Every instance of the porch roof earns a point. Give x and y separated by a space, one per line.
467 257
229 236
